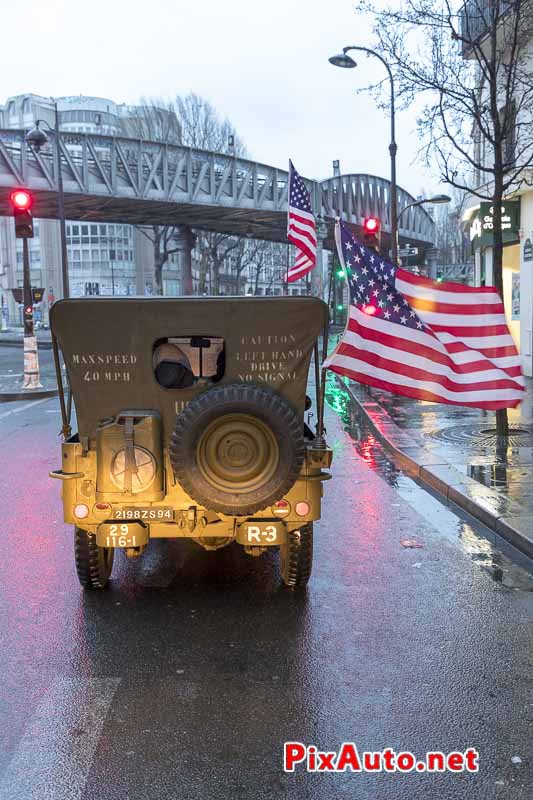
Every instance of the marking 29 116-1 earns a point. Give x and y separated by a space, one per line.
118 537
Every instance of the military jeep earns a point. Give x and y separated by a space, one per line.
191 416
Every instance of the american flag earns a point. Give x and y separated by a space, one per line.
414 336
301 227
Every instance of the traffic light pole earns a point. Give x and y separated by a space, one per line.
31 356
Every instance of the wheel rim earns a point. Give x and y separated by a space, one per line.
237 453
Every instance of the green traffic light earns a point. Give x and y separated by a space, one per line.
439 278
340 307
340 273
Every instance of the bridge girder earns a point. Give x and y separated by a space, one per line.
137 182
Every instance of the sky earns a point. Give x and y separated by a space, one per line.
264 65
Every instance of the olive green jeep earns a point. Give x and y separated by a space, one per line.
191 423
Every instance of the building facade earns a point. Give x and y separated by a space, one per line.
104 259
515 113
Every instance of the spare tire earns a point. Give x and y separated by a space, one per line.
237 449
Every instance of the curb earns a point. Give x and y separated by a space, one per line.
502 515
35 394
41 345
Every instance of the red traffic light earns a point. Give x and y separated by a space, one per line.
21 200
371 225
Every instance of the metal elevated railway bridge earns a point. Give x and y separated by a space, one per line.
138 182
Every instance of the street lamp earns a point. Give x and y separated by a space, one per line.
345 61
37 138
438 198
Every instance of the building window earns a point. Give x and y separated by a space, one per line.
75 230
103 230
171 288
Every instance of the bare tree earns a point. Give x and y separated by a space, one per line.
156 120
163 239
472 64
203 128
451 239
262 257
153 119
194 122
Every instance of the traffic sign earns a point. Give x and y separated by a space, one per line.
408 250
36 295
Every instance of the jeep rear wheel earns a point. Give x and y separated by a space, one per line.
237 449
296 557
93 563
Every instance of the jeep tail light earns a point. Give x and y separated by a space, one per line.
81 511
302 508
102 506
281 508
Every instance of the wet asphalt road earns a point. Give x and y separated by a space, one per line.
185 678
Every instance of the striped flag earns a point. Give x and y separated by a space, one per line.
301 227
410 335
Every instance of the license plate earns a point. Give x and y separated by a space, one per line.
261 533
164 513
121 534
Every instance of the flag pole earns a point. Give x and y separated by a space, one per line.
330 287
320 440
288 243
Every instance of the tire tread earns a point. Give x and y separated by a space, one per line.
227 395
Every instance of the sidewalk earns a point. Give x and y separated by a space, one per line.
12 367
11 389
455 451
13 337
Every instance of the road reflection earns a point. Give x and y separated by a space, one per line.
470 535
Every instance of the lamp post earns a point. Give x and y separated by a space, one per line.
344 60
438 198
37 138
